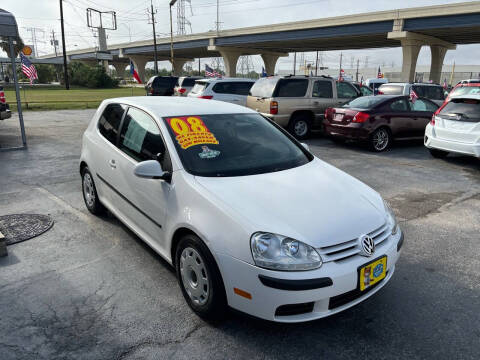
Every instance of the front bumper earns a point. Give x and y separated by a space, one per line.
431 141
267 298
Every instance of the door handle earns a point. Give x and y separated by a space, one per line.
112 164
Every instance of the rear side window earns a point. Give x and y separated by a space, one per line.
165 82
462 110
423 105
188 82
140 137
399 105
237 87
199 87
291 88
242 88
429 92
264 87
109 122
388 89
322 89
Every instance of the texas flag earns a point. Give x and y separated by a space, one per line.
134 72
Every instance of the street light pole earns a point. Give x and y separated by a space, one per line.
65 69
172 2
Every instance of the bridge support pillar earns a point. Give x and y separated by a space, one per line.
119 68
230 59
270 61
438 55
139 62
410 50
178 66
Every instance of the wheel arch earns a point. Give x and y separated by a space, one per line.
297 113
83 165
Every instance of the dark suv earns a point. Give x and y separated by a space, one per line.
161 85
4 108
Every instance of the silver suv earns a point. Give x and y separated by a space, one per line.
433 92
298 103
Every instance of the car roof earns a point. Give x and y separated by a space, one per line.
224 79
177 106
468 96
416 84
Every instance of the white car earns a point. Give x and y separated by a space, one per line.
455 127
246 214
232 90
184 85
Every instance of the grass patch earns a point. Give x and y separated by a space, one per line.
58 98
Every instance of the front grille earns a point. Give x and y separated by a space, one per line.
294 309
349 248
350 296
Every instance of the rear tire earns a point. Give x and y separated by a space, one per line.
300 126
438 154
90 195
380 140
200 279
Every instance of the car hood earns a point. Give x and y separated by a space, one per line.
315 203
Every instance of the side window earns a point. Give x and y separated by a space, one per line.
291 88
140 137
109 121
345 91
222 88
423 105
398 105
322 89
241 88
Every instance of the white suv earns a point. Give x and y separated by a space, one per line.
232 90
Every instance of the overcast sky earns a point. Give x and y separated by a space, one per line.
132 22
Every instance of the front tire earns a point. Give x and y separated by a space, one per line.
300 126
200 279
380 140
438 154
90 195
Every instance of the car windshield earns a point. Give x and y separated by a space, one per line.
462 110
233 145
465 90
364 102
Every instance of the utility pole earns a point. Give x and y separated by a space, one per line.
294 63
358 63
316 65
54 42
155 58
218 17
172 60
340 70
65 70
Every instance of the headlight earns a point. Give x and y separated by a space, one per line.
391 220
277 252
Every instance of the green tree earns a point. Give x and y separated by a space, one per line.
46 73
17 47
90 76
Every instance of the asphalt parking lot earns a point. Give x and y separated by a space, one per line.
90 289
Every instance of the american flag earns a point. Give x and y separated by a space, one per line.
209 72
413 96
28 68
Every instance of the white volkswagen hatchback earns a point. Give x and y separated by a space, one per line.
455 127
246 214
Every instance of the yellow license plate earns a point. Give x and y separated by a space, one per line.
372 273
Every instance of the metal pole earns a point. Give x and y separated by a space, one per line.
358 62
199 68
155 58
17 92
294 62
65 70
340 70
171 38
316 65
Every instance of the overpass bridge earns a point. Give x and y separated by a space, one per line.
440 27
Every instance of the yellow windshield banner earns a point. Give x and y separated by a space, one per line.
190 131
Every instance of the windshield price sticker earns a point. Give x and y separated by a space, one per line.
190 131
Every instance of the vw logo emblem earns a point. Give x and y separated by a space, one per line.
367 245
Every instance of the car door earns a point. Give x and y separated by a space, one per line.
142 201
241 90
345 93
397 115
322 98
106 152
422 112
224 91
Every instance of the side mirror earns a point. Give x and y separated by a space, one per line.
151 169
306 146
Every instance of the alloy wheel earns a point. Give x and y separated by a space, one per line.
380 140
300 128
88 190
